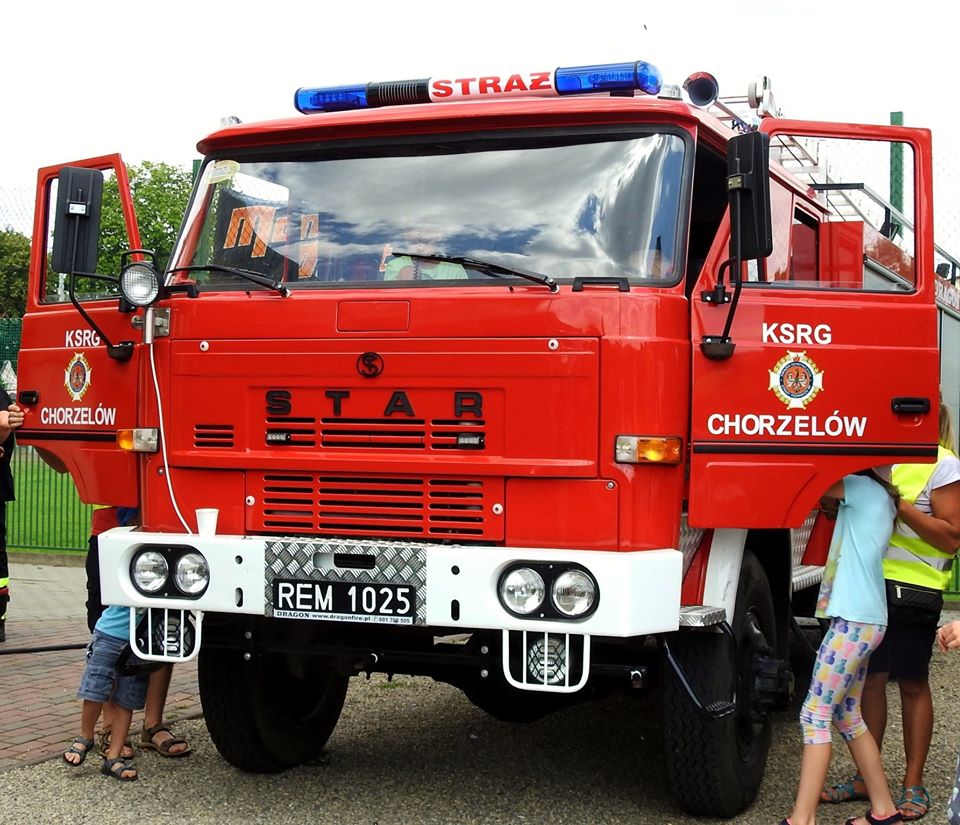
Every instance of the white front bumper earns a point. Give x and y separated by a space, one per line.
456 585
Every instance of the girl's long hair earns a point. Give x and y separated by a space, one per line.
891 488
948 436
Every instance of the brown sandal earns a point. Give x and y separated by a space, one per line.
163 747
103 744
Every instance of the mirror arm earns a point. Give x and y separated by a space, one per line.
721 348
118 352
736 269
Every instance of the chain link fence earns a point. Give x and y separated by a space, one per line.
946 188
16 209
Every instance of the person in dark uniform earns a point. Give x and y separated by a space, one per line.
11 417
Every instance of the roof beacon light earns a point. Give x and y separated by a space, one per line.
609 77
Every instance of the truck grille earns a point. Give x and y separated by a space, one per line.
353 505
217 436
377 433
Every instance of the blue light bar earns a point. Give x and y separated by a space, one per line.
334 99
610 77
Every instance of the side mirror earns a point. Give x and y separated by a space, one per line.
748 187
77 230
76 240
751 232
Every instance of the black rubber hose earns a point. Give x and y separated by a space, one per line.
9 651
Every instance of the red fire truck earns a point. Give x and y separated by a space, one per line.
529 383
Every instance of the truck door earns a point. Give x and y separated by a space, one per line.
78 368
834 362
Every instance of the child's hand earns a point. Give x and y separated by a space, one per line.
948 636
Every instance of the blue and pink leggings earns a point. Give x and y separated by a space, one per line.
837 682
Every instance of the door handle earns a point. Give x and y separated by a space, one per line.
910 406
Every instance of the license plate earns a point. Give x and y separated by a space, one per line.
344 601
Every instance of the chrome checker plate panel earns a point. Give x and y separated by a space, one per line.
394 563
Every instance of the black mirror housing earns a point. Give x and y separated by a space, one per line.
76 238
748 183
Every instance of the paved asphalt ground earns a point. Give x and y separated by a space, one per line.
40 712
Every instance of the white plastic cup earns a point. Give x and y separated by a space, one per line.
207 520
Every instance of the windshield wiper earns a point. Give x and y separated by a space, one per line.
486 267
253 277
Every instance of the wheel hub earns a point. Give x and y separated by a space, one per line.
766 681
772 684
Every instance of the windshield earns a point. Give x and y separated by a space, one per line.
585 205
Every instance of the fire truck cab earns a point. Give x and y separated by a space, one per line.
528 383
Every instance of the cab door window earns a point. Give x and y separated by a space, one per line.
112 240
853 227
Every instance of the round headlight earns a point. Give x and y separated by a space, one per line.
192 575
522 590
150 571
139 284
574 592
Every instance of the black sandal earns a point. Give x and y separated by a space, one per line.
116 767
893 819
80 740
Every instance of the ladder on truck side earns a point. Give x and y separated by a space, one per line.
845 200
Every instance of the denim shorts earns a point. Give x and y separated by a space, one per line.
100 680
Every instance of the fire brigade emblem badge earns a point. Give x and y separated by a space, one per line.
77 376
795 380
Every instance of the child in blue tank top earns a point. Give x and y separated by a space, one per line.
853 598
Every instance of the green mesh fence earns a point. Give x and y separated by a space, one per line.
48 514
9 349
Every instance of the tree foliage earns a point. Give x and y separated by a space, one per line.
160 193
14 264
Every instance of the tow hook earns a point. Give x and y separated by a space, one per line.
365 664
772 687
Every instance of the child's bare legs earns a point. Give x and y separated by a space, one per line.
107 714
107 727
121 727
88 721
813 773
866 754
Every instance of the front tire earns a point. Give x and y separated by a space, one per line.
717 765
269 712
